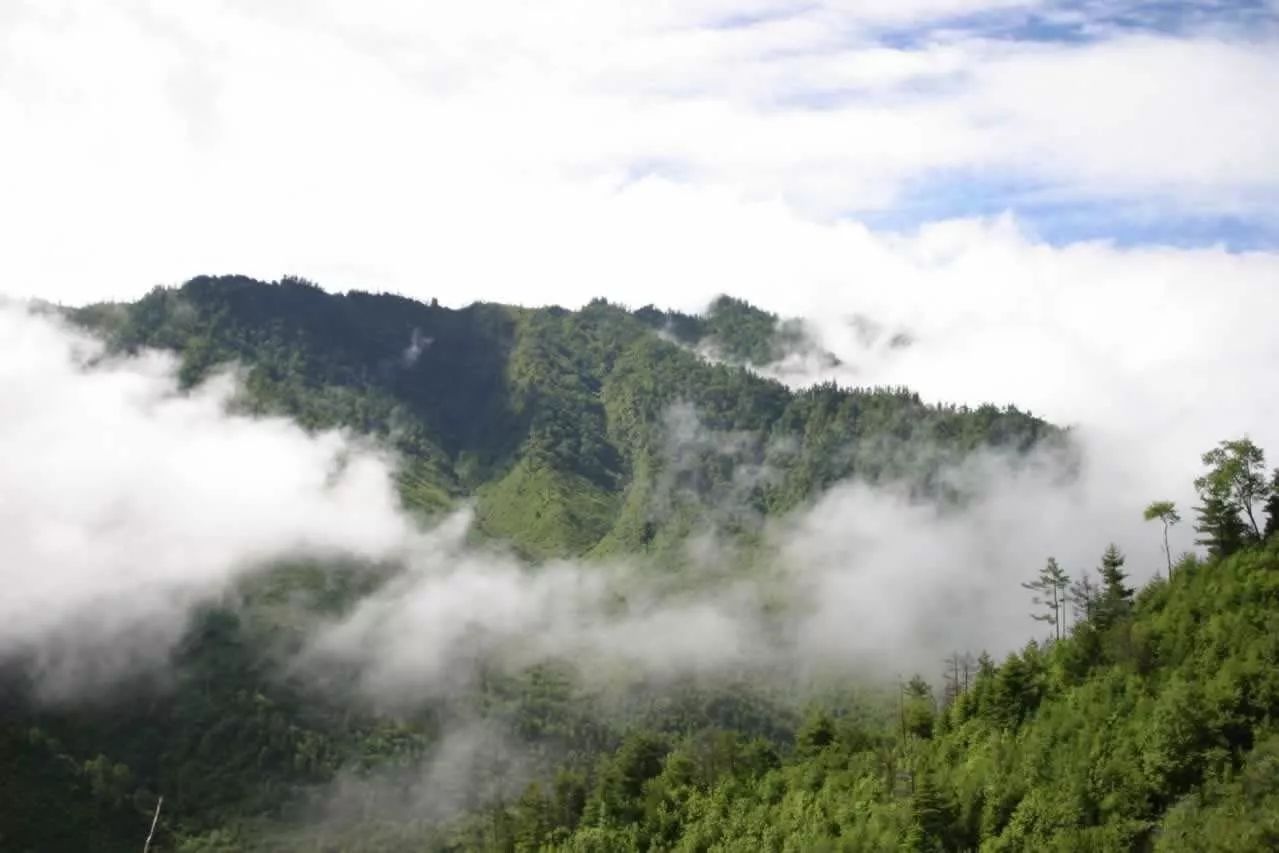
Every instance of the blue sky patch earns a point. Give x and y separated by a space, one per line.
1063 221
1079 21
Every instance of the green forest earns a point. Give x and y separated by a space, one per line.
1139 717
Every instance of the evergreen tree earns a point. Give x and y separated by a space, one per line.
931 814
1272 506
918 710
1220 529
1115 599
1083 595
956 676
1113 575
817 733
1050 593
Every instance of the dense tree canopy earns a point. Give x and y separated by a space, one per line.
565 425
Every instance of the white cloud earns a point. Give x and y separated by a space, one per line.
865 581
126 503
133 503
456 606
395 144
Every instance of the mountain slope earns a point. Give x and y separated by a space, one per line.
586 432
575 431
1152 727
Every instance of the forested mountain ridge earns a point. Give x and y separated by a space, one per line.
1149 726
1144 722
576 431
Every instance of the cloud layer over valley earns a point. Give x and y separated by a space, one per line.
129 503
126 503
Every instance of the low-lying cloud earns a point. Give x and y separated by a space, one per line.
866 580
126 502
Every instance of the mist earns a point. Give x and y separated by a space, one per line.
865 581
131 503
127 503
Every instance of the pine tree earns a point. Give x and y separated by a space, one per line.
1220 529
931 814
1050 593
1115 599
918 708
1083 595
956 676
1113 575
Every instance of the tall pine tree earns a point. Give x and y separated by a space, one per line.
1116 598
1050 593
1220 528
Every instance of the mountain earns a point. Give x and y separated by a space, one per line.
597 431
1147 724
1151 727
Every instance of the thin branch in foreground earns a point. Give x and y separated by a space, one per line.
154 820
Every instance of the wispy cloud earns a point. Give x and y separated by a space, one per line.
127 504
357 141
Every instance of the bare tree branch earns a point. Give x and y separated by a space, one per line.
154 820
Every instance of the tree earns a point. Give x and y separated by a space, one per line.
1272 506
1220 529
1083 594
918 708
1165 511
620 786
816 733
959 669
1113 575
1017 688
1050 593
1116 598
931 814
1236 477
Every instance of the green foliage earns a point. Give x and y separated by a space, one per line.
1234 483
1152 728
52 800
1166 512
1114 600
1148 723
1159 735
1222 531
559 424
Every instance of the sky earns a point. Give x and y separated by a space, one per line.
1070 206
1093 185
557 151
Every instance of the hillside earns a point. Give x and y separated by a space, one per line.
592 431
1152 727
1144 722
